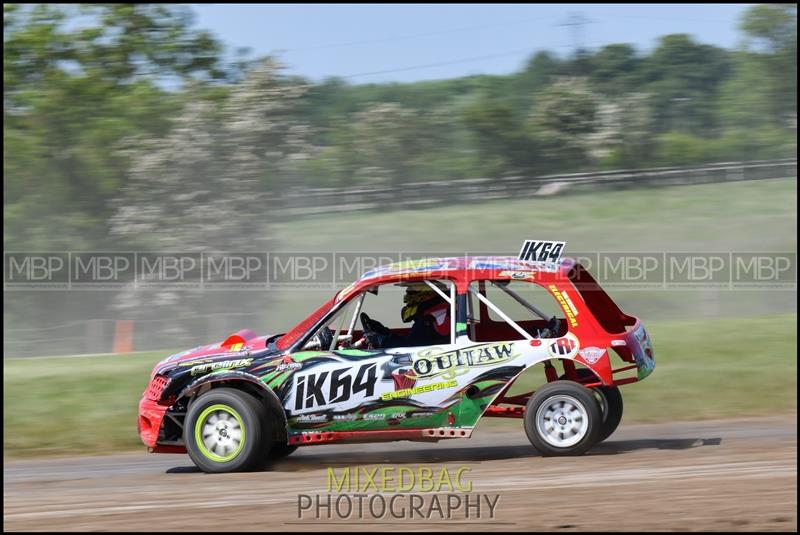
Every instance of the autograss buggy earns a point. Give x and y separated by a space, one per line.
250 399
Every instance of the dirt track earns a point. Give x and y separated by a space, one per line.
721 475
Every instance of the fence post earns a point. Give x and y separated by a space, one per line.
123 336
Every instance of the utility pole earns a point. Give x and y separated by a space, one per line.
575 22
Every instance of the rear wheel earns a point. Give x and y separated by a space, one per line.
226 431
563 418
610 400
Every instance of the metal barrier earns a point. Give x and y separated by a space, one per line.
305 201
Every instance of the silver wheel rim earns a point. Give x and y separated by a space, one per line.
562 421
222 433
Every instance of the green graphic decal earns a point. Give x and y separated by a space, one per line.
354 353
305 355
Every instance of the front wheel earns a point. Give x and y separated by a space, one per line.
225 431
563 418
280 450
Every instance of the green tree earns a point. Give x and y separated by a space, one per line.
615 69
771 42
684 78
382 144
499 137
77 79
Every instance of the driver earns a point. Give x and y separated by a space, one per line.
426 308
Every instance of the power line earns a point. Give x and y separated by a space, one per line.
441 64
415 36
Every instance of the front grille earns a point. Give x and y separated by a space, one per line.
156 387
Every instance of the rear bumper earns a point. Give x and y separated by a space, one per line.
642 348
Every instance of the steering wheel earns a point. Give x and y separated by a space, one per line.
552 329
374 332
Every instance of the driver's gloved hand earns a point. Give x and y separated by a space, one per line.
376 339
553 325
379 328
325 338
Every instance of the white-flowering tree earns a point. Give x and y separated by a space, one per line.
564 119
623 130
203 186
385 139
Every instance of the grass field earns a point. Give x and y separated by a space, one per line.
756 215
705 369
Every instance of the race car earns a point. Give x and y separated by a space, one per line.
249 400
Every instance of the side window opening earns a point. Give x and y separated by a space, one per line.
512 310
600 304
393 306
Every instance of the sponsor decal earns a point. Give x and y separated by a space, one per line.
346 291
345 417
569 302
422 414
591 354
288 364
512 265
222 365
564 347
375 416
237 346
312 418
408 392
434 362
541 251
411 266
567 306
176 356
193 362
617 343
517 275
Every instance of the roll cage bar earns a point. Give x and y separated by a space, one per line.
450 300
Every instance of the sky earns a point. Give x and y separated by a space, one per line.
382 43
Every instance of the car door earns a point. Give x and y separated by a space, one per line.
505 331
361 389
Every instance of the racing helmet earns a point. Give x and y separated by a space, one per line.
419 297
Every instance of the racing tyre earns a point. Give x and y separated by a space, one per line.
225 431
563 418
610 400
280 450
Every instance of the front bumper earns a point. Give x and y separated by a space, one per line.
151 416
